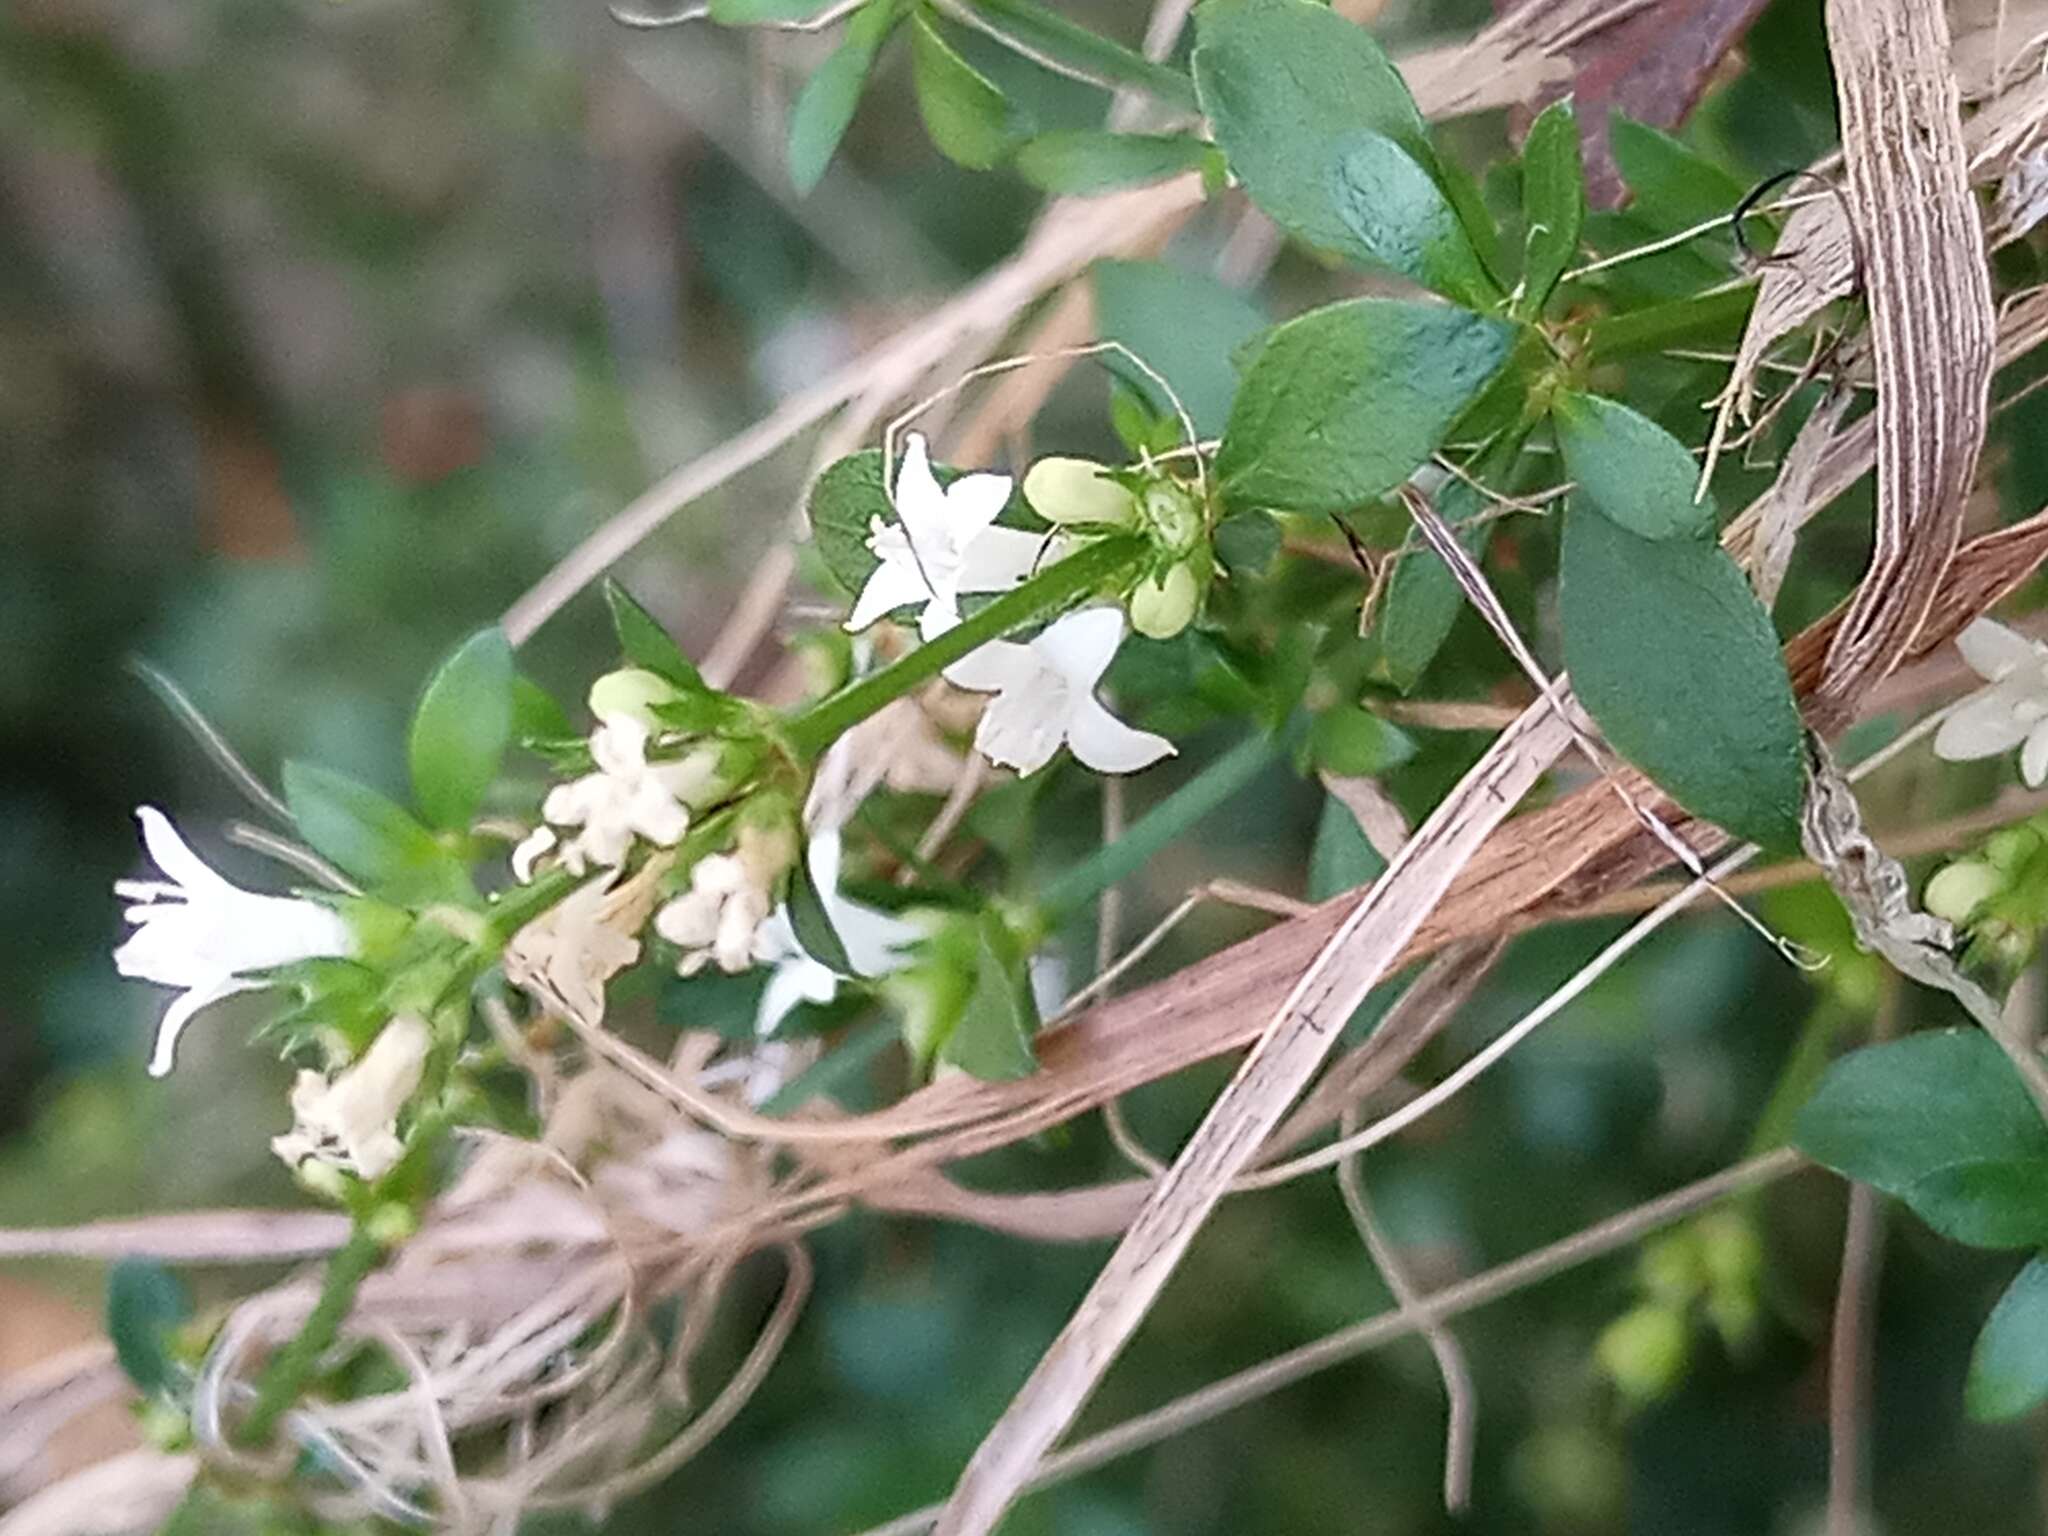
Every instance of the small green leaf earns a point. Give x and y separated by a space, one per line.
1343 403
1184 325
146 1304
992 1041
645 643
1284 83
1629 469
1673 656
371 839
461 729
1047 32
2009 1366
1553 203
844 501
812 921
1674 185
825 106
1702 320
1943 1122
754 13
536 714
1247 543
1399 219
967 117
1342 858
1079 162
1356 743
1423 598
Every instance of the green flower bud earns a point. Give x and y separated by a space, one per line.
1643 1352
632 691
392 1222
1961 889
1078 491
2006 851
1673 1268
1173 513
1162 607
1731 1249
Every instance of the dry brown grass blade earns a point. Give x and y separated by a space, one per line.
1931 320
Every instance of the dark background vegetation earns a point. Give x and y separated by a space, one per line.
326 327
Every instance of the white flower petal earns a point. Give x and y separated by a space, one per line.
1000 558
1995 652
530 848
173 856
920 499
973 503
1982 726
874 940
794 981
996 666
1081 646
1023 727
1106 744
2034 759
164 1054
893 585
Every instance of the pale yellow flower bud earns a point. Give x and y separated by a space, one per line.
1162 607
632 692
1064 490
1960 889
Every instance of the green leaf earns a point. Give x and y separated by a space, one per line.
754 13
1943 1122
146 1304
1247 543
1344 402
368 837
992 1041
967 117
1047 32
2009 1366
844 501
812 922
1671 653
1285 84
1342 858
461 729
536 714
1185 325
1553 203
1674 185
1356 743
1423 598
825 107
1701 320
645 643
1629 469
1399 219
1081 161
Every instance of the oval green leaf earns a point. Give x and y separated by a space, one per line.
967 117
825 106
644 642
369 838
1343 403
1185 325
992 1041
1672 655
1553 203
2009 1366
461 729
146 1303
1080 162
1398 218
1629 469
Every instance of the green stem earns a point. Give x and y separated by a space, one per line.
290 1369
816 728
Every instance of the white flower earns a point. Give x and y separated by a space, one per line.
730 894
2014 709
198 932
627 797
873 939
944 542
1045 695
350 1121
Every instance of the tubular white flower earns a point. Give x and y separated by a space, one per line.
208 937
944 542
626 798
350 1121
1045 696
2011 712
874 941
730 895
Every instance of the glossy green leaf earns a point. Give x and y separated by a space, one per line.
966 115
1943 1122
1356 743
1342 404
644 642
812 921
1047 32
1671 653
1629 469
461 729
2009 1366
826 104
369 838
1285 84
1081 161
1553 203
1185 325
146 1304
1398 218
1342 858
992 1041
